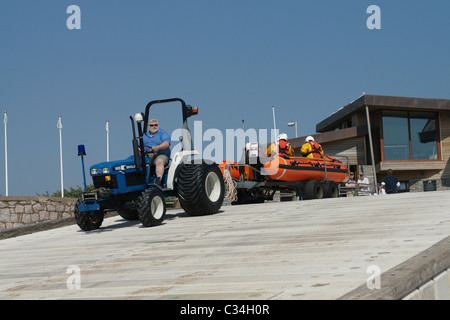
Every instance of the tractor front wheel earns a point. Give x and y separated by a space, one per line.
88 220
151 207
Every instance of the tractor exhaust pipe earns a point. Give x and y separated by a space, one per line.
137 161
141 144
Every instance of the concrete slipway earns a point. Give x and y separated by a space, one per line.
316 249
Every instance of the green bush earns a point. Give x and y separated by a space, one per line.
71 193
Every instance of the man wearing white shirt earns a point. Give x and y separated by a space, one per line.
363 183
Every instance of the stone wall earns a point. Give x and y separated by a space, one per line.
21 211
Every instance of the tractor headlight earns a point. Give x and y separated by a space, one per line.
95 171
138 117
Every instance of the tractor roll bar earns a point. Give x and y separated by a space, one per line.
186 111
183 106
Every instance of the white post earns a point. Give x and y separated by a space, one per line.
374 169
107 140
59 125
274 128
5 120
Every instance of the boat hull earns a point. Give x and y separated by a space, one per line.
305 169
292 169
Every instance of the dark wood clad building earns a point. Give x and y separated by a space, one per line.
375 133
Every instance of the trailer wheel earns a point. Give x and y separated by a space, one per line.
331 190
151 207
314 189
200 188
88 220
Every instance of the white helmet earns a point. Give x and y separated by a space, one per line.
282 136
309 138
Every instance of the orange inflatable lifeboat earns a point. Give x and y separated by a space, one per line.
305 169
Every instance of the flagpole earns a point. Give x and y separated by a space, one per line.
59 125
274 128
107 140
5 120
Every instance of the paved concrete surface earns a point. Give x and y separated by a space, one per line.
316 249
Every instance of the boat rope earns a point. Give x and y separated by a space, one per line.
231 194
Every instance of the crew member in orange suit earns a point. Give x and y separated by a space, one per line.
284 148
311 149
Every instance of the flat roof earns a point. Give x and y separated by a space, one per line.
382 101
324 137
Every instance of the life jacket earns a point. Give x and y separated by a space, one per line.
315 149
283 147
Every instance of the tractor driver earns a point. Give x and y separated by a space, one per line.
157 146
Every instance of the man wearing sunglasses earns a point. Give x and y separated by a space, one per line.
157 146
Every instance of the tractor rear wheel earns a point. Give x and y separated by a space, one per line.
151 207
200 188
88 220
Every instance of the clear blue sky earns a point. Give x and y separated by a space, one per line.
233 59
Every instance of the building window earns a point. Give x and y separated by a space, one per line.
409 135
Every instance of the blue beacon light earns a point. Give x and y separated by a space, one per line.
82 152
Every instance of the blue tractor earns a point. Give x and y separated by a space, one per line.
129 186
